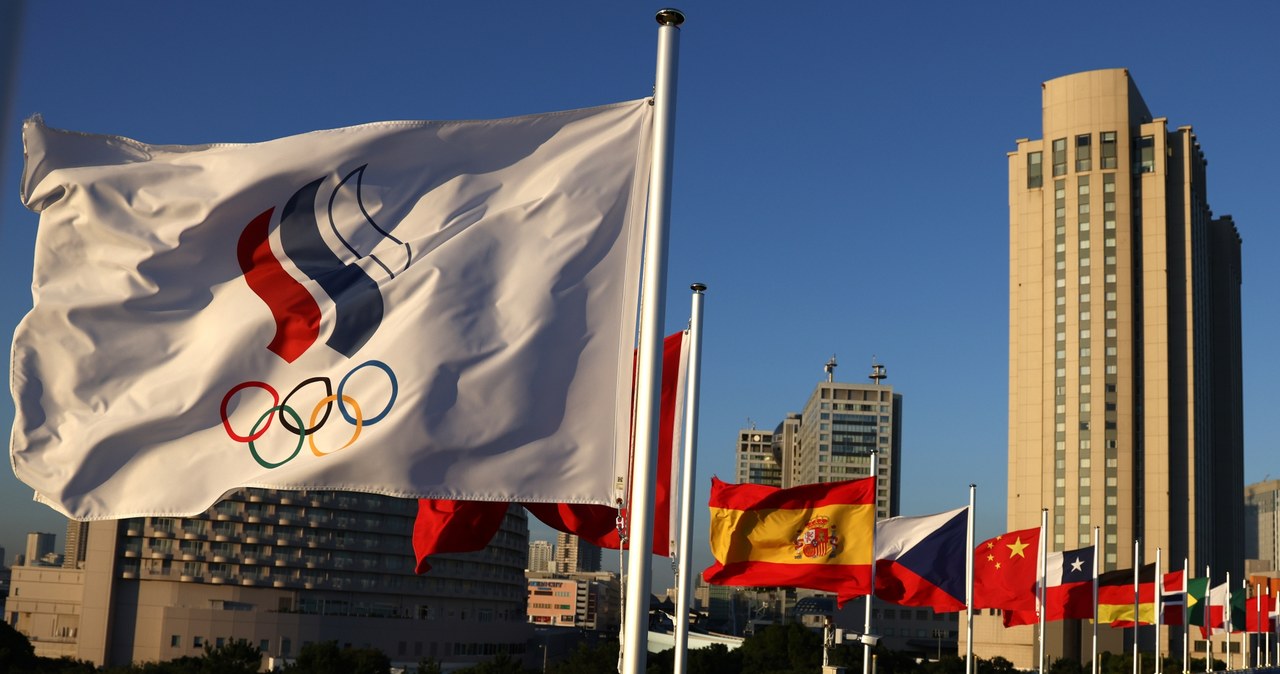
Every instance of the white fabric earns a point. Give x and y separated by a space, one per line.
504 255
896 535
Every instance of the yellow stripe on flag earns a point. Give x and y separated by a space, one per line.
778 535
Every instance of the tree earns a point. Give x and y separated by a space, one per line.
587 660
428 666
237 657
16 651
502 664
326 658
782 649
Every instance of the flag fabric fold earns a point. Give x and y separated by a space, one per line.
815 536
1005 571
1068 589
418 309
595 524
1173 597
454 526
920 560
1116 597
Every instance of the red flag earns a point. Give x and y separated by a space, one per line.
454 526
1005 571
1068 589
1257 614
458 521
815 536
1174 597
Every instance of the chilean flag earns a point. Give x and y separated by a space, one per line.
920 560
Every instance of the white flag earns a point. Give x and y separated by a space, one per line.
419 309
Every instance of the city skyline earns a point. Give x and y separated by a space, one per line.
845 186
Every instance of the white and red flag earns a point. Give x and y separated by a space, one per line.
420 309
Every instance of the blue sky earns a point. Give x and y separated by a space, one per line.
840 176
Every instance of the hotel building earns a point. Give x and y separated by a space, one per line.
1124 344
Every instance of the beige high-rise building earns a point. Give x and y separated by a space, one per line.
1262 527
1124 343
574 555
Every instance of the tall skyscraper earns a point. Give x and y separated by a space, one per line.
39 546
76 546
1124 335
540 556
759 460
841 425
574 555
1262 527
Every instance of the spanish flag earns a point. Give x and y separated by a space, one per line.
815 536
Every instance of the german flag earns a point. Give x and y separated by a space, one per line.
1116 598
815 536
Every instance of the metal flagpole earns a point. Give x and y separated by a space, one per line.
1208 621
1158 618
875 512
1186 616
1096 570
684 583
968 585
1137 569
1043 562
649 366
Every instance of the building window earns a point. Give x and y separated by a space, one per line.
1108 142
1035 170
175 640
1083 152
197 642
1060 157
1146 154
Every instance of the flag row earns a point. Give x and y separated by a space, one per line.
826 537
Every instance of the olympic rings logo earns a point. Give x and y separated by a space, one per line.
291 420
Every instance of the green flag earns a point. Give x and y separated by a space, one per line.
1197 590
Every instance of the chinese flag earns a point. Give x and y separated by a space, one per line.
1005 571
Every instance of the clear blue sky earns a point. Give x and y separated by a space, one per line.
840 178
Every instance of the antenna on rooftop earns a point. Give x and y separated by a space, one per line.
830 368
877 371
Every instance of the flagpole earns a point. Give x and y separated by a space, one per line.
1208 620
1040 596
649 366
968 585
684 584
1186 616
1158 618
1137 569
875 513
1094 664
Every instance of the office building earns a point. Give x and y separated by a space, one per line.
75 548
540 556
40 546
1262 527
574 555
279 569
1124 342
588 600
839 428
758 460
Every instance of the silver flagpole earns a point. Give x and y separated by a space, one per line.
968 585
1094 665
1137 572
1043 562
1158 617
649 366
1208 621
684 582
1186 616
871 591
